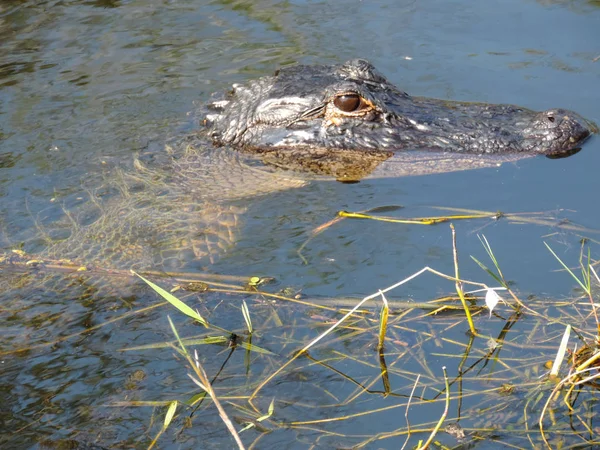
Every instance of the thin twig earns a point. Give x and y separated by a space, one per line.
204 384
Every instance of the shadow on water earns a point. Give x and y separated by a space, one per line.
88 357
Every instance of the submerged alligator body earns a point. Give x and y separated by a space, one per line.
342 120
309 112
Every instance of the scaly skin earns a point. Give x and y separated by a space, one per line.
353 107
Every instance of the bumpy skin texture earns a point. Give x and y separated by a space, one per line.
352 106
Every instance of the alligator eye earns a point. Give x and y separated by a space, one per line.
551 119
348 102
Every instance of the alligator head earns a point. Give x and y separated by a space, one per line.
309 113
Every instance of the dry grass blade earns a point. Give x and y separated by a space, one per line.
459 288
443 416
411 221
540 218
573 378
412 393
203 382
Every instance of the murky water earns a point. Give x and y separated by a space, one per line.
85 85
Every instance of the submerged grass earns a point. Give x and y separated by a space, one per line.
333 373
503 394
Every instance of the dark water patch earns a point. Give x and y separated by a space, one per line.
105 3
7 160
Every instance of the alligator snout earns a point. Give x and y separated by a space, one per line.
566 129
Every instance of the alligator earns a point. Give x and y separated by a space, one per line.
306 114
278 132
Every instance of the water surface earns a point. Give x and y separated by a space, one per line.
88 85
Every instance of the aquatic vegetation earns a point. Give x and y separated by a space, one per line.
500 389
485 364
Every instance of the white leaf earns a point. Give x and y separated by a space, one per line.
562 350
491 300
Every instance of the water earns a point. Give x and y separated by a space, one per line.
88 84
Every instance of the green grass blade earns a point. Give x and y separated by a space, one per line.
183 349
383 320
256 348
486 269
269 412
567 269
170 414
182 307
488 249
